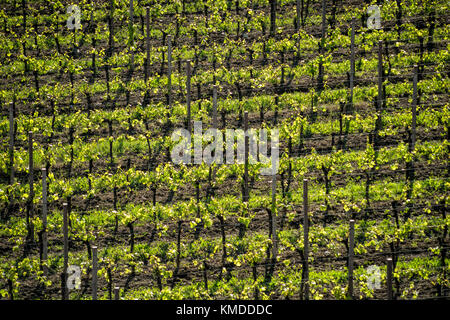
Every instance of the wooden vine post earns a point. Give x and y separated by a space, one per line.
214 126
44 223
11 142
274 219
380 95
324 21
24 15
273 17
169 71
321 48
351 245
305 278
94 272
389 279
410 172
111 28
131 34
11 159
352 65
30 211
65 290
178 257
414 108
147 43
94 67
188 95
214 115
116 293
380 75
246 147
